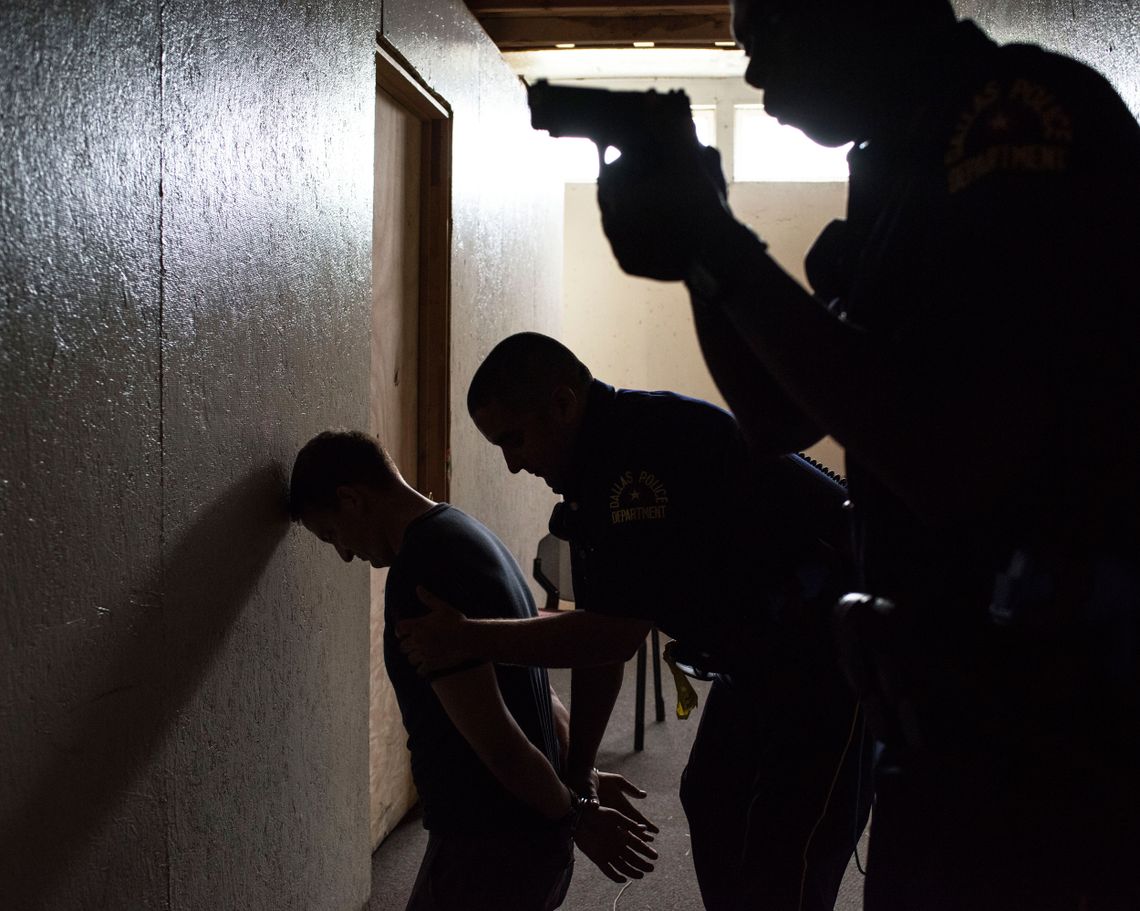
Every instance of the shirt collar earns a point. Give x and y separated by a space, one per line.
591 439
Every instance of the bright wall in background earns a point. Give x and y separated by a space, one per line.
639 333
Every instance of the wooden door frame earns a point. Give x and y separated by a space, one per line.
433 418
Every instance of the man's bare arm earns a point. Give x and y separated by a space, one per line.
475 706
593 692
613 789
444 638
473 702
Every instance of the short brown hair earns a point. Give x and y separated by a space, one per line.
336 458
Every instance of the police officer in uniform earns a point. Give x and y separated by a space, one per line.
973 341
670 525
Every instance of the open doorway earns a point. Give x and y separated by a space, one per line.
410 354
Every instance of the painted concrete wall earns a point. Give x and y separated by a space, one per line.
185 221
506 243
639 333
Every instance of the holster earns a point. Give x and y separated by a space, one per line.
875 653
956 684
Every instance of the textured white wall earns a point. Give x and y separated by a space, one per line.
267 222
185 235
80 458
184 245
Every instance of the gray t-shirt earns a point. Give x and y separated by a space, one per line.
458 558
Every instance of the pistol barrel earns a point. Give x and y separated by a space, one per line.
606 117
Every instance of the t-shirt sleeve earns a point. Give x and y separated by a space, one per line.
441 577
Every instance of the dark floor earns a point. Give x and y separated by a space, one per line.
657 769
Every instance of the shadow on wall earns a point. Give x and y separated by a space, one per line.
113 735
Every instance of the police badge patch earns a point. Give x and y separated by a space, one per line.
1014 127
637 496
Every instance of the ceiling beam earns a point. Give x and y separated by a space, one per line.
522 32
593 7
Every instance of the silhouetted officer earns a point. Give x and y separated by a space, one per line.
973 342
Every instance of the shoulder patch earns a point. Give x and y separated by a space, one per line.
637 496
1014 126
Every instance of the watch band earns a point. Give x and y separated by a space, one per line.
578 806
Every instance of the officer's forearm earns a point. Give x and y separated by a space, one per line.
842 378
593 692
561 722
571 639
771 422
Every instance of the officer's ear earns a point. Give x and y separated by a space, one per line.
566 404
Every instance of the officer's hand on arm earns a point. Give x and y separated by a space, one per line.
446 637
438 640
616 844
614 791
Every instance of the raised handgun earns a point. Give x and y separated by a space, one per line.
630 121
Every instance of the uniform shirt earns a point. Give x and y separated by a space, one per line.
1000 229
459 559
668 522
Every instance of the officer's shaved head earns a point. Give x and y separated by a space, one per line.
838 69
523 370
891 17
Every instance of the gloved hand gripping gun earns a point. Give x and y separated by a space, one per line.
637 122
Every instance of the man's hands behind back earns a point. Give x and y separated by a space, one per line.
617 845
614 791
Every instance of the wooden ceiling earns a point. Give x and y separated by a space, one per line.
532 24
